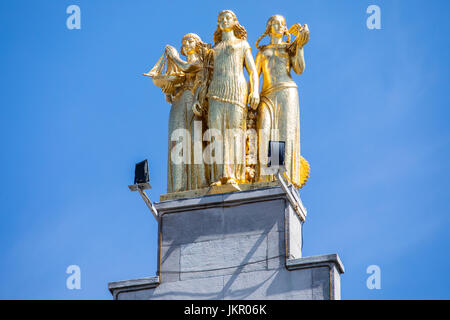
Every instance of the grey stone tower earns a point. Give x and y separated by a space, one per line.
241 245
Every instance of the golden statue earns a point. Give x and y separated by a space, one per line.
227 96
179 80
216 142
278 112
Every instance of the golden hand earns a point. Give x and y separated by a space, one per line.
253 100
303 37
171 51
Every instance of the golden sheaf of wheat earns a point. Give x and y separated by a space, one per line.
304 171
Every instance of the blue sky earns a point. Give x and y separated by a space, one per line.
76 115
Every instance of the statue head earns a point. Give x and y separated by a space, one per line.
275 27
191 43
227 21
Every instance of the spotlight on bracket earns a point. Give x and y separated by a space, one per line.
141 183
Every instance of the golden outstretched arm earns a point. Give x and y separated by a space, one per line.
184 66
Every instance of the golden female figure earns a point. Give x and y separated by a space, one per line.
178 82
227 96
278 115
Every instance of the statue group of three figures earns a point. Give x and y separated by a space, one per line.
220 127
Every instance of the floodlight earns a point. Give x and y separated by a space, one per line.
141 179
276 154
141 172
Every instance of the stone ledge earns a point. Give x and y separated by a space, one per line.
316 281
224 189
315 261
225 200
134 284
291 264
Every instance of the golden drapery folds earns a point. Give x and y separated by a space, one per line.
220 125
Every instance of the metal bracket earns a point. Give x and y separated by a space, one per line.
292 196
140 187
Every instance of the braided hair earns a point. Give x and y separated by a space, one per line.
268 25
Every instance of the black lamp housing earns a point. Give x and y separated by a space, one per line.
141 172
276 154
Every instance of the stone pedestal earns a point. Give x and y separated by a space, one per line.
242 245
